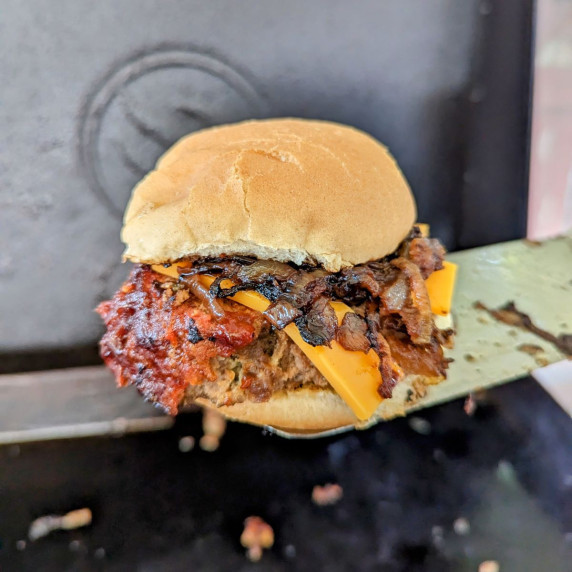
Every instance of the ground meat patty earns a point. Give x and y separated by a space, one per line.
165 342
270 364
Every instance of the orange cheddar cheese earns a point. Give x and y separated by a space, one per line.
440 287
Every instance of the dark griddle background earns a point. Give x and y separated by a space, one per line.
508 470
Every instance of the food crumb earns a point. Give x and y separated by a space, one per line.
505 471
420 425
256 536
180 297
214 427
470 405
167 292
437 535
329 494
213 423
45 524
209 443
470 358
461 526
489 566
76 519
186 444
99 553
290 551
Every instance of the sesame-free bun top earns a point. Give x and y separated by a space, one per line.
283 189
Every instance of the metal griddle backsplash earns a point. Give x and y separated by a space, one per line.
102 91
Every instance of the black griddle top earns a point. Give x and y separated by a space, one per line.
507 470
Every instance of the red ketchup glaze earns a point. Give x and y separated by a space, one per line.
147 340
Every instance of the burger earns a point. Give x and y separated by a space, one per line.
279 278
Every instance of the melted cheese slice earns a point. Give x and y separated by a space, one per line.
353 375
440 287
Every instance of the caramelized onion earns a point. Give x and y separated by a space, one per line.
352 333
416 312
390 371
426 360
262 270
204 295
304 288
396 295
359 277
282 313
426 253
318 326
403 248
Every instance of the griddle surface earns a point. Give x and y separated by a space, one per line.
507 470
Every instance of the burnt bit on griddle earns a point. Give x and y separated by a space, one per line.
256 536
530 349
326 495
509 314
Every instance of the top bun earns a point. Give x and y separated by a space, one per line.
283 189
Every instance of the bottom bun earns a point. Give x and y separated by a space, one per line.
320 409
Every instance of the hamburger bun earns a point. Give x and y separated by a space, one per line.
314 410
291 190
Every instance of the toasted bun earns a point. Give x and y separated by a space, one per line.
283 189
314 410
